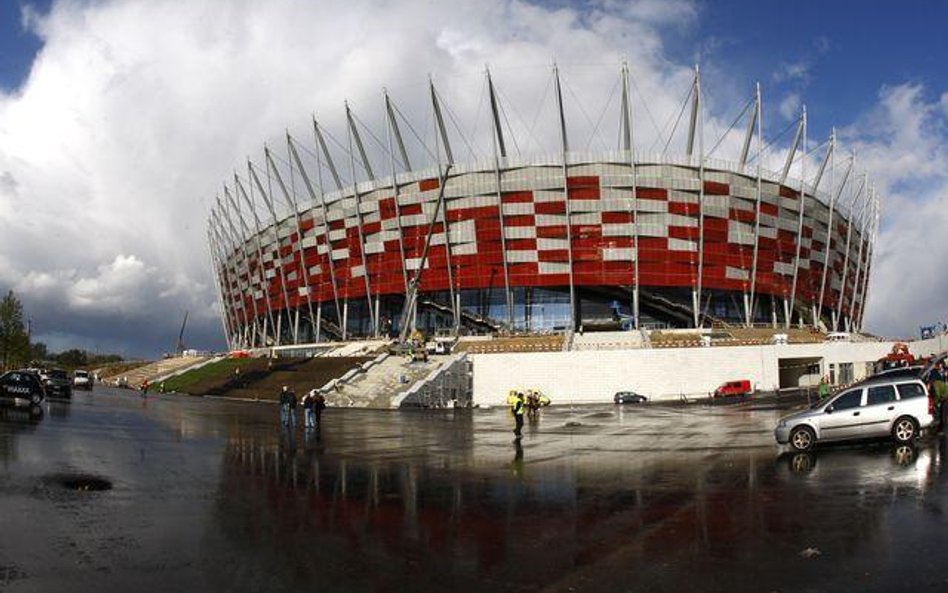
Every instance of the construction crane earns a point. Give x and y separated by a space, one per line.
179 345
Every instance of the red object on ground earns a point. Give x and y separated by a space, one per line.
741 387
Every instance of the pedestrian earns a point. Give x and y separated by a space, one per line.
517 410
285 405
292 414
938 388
824 388
319 404
144 388
309 412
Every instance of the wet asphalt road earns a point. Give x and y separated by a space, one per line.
211 495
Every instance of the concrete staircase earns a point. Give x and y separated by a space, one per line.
381 384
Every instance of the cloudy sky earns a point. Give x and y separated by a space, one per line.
120 120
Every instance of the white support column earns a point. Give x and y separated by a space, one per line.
628 139
319 198
221 276
498 143
304 267
696 135
569 229
849 233
873 235
222 290
319 322
443 134
864 216
835 192
267 200
354 135
235 243
229 199
801 133
393 133
261 272
750 303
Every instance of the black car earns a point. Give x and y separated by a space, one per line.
58 383
629 397
21 389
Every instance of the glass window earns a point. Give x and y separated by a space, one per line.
850 399
911 390
881 394
845 372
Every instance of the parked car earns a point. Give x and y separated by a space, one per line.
629 397
58 383
896 407
22 389
82 379
733 388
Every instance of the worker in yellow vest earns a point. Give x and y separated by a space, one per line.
517 411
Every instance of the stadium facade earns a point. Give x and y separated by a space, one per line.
565 242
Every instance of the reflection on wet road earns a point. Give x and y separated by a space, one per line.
113 492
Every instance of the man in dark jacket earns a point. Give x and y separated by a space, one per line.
287 407
319 404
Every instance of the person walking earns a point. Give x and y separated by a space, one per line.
285 405
309 409
517 410
292 400
938 388
824 388
319 404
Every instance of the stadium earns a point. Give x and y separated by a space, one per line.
542 243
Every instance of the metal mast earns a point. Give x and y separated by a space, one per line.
342 313
849 233
443 134
569 231
223 278
393 133
628 145
498 145
696 129
354 136
231 233
829 227
800 135
226 320
291 200
866 213
261 273
243 247
278 262
750 304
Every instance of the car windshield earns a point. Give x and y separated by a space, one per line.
58 374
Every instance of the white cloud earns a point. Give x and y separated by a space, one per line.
904 144
790 106
796 71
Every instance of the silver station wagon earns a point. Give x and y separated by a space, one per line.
897 407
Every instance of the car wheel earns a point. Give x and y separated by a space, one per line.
904 430
35 399
802 438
